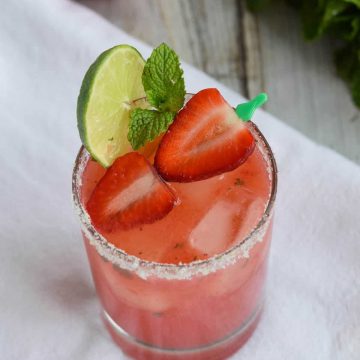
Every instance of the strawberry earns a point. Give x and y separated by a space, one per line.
205 139
130 193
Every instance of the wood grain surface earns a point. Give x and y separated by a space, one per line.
251 53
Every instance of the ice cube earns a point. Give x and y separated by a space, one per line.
251 215
214 231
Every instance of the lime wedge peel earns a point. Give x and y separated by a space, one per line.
112 82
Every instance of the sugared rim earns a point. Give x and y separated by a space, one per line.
144 268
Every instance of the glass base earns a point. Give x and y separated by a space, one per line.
218 350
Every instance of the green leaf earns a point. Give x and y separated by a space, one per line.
318 16
355 88
257 5
346 27
355 28
311 14
341 20
354 2
145 125
163 80
347 61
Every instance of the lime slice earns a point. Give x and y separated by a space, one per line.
109 86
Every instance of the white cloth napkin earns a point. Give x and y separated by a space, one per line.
48 306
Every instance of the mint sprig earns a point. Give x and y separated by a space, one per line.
163 80
164 86
146 125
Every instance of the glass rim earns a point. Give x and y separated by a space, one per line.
146 268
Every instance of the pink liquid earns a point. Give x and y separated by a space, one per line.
213 216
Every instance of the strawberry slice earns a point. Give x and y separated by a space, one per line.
130 193
205 139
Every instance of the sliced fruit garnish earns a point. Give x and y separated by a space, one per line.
205 139
110 84
130 193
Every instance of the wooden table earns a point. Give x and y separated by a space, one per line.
251 53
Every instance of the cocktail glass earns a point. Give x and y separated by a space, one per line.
205 309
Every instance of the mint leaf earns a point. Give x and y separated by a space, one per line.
145 125
163 80
347 62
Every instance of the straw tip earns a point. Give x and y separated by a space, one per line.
245 111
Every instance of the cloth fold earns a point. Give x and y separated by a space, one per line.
48 306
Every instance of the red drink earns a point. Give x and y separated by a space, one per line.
189 286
